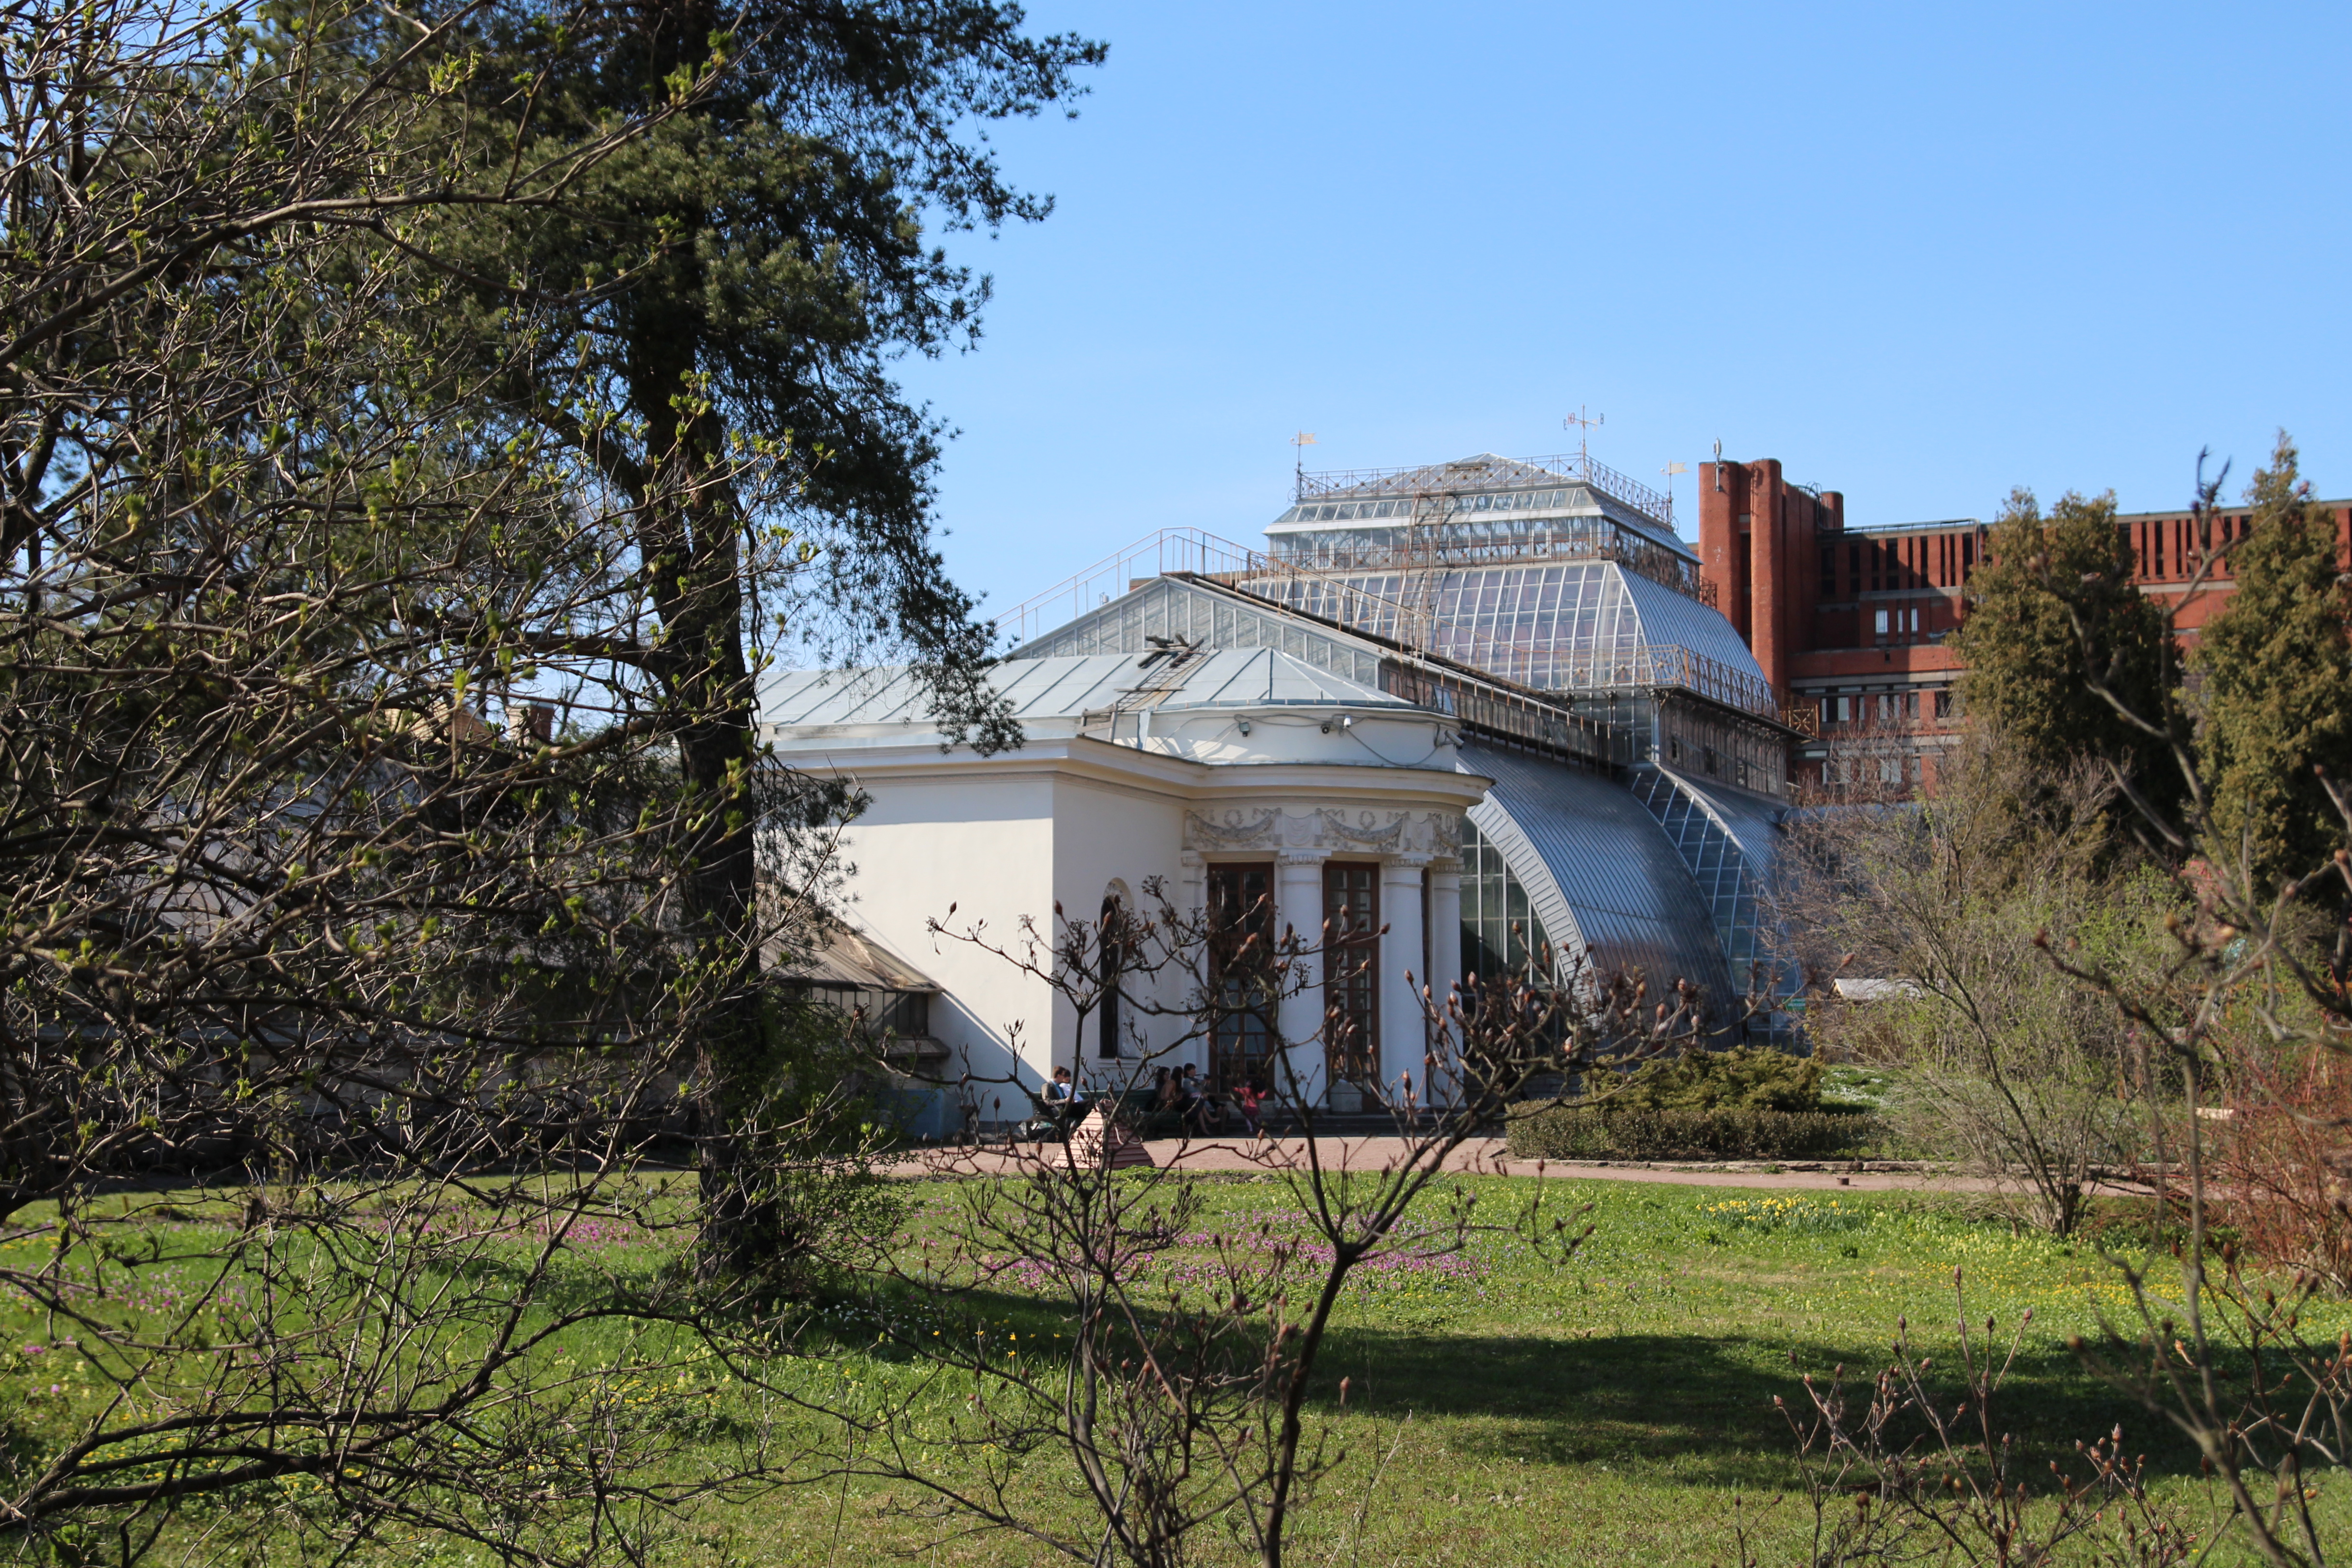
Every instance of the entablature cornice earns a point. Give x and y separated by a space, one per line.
1180 780
1313 829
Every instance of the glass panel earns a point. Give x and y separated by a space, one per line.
1498 928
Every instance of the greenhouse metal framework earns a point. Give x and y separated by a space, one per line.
1640 758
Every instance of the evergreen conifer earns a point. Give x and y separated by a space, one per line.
2054 611
2274 682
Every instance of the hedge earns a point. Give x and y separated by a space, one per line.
1559 1129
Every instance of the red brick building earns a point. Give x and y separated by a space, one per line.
1851 625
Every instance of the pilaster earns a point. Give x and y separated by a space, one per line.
1298 907
1444 941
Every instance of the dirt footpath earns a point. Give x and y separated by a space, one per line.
1478 1156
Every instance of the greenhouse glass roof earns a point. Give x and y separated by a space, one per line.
1473 498
1586 626
1610 890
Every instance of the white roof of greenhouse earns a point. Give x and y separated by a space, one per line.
1069 686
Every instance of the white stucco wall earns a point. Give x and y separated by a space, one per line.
1108 831
1085 804
984 846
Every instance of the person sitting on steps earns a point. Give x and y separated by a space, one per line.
1250 1100
1061 1097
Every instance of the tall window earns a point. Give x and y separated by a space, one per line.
1501 934
1240 969
1111 959
1352 926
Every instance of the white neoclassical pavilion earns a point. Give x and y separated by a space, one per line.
1224 775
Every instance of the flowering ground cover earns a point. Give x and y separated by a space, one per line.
1506 1410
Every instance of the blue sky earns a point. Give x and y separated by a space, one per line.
1920 254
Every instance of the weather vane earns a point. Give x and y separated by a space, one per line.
1581 421
1670 471
1303 440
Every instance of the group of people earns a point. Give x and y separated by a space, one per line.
1200 1107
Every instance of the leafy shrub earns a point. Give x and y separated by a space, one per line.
1746 1077
1563 1130
2282 1165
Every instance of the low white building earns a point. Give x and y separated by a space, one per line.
1232 777
1485 703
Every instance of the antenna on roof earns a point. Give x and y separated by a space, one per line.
1670 471
1581 421
1303 440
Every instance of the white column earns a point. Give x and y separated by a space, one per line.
1445 952
1403 1040
1298 906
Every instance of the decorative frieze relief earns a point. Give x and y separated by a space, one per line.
1331 829
1234 830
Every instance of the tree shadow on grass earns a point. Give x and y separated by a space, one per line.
1702 1404
1696 1408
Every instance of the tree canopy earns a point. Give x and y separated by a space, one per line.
411 426
2055 618
2274 682
705 349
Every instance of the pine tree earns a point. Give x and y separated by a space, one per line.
2053 614
706 353
2276 693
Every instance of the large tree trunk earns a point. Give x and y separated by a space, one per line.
691 546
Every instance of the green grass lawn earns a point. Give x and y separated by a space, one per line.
1503 1408
1610 1410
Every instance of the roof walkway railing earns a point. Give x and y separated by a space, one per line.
1489 473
